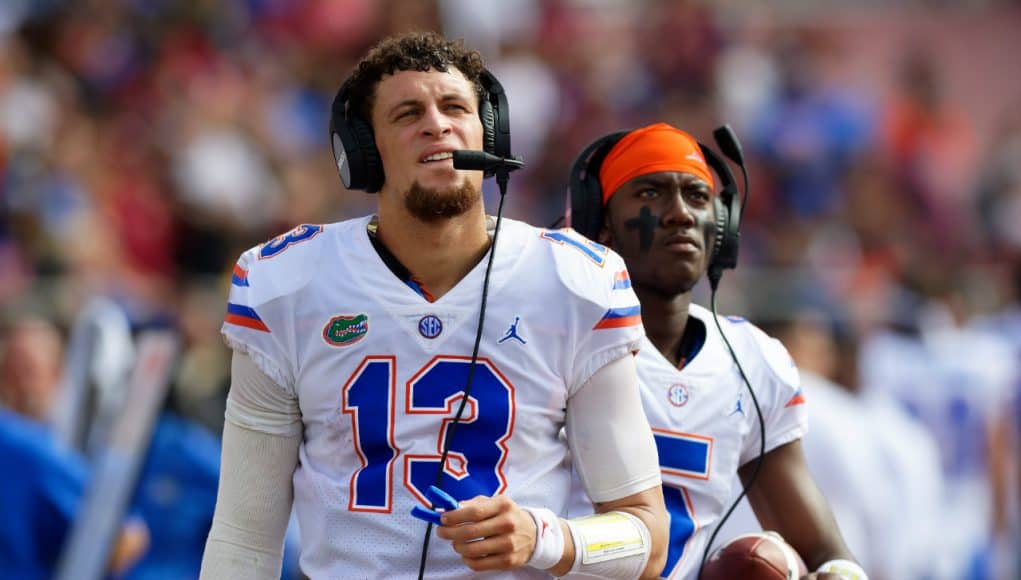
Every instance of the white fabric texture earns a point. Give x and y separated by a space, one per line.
257 402
253 504
615 458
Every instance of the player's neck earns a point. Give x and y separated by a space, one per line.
665 318
438 254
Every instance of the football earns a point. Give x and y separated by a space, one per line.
758 556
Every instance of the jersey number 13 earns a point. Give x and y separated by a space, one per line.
478 449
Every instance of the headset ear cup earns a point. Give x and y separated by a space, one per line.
587 207
719 239
596 215
586 193
371 173
728 233
732 232
488 127
488 118
347 152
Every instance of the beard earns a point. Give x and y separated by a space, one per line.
432 205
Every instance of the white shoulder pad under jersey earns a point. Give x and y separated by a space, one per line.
271 273
773 375
598 280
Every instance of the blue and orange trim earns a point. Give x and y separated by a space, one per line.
244 316
620 317
797 399
621 280
239 277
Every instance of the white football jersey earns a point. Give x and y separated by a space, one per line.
956 382
378 373
706 427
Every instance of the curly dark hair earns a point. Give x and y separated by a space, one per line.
414 51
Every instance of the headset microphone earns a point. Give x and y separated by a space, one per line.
729 206
482 161
728 143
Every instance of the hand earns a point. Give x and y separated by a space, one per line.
490 533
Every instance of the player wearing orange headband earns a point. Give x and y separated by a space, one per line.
650 195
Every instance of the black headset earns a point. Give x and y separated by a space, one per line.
585 212
354 144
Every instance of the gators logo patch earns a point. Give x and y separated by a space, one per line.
345 330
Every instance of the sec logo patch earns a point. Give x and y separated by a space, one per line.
430 326
677 394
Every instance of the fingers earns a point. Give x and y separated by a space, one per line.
490 533
478 509
478 518
502 551
506 560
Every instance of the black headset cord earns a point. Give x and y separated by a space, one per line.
501 180
713 283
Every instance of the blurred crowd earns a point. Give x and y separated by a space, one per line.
144 144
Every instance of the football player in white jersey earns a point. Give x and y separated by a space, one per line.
649 195
353 354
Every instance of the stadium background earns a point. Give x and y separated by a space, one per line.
145 144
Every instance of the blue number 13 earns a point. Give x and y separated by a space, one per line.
477 451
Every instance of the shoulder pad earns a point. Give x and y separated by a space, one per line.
280 266
584 266
773 353
750 341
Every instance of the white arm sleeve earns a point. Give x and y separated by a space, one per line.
253 502
611 443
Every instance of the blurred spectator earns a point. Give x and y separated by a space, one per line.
933 146
176 495
958 382
46 481
30 367
40 503
999 193
813 129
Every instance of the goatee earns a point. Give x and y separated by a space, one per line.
431 205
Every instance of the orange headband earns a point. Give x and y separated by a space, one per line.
651 149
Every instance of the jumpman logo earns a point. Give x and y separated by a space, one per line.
737 408
512 332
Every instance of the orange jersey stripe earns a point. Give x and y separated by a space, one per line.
618 322
246 322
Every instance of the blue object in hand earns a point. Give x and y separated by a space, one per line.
441 500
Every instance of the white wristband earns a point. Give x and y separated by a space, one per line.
549 539
846 569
